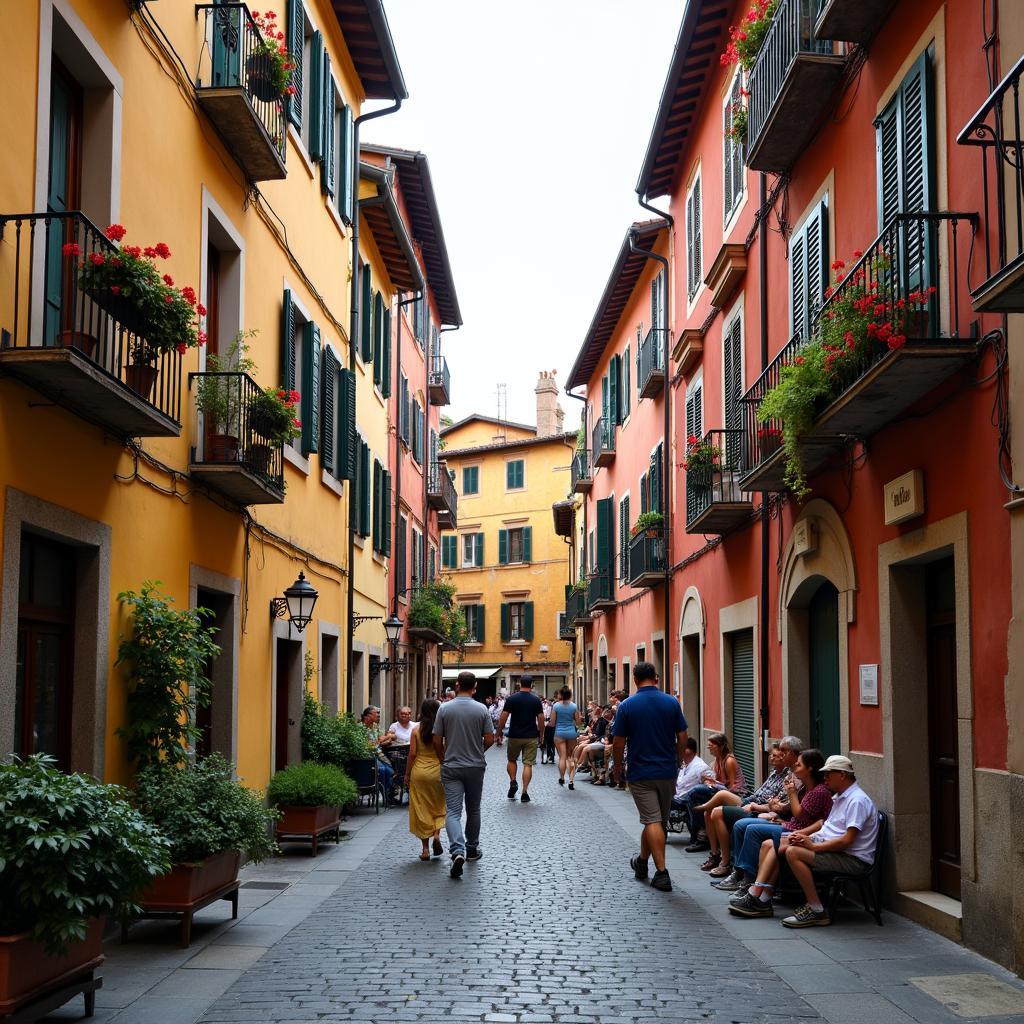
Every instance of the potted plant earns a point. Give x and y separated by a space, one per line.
580 586
271 418
210 820
219 399
269 67
649 523
745 40
72 852
331 739
310 798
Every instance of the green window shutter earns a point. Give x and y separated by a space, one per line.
654 480
378 338
288 342
316 97
327 166
624 539
527 543
448 552
613 393
328 436
808 271
386 370
479 549
386 516
625 383
377 483
364 489
733 390
605 406
347 454
528 621
346 165
481 631
604 534
644 507
506 623
296 44
310 399
744 727
399 568
366 327
503 547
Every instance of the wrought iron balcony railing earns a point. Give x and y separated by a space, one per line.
582 479
651 379
440 383
648 561
441 494
996 130
236 86
84 345
714 500
235 451
603 446
911 294
791 84
600 589
576 611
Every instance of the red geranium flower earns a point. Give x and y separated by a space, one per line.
72 249
162 251
201 309
116 232
168 280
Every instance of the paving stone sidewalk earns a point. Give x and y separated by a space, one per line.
549 927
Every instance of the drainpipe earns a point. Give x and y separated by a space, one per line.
762 276
586 680
353 340
666 460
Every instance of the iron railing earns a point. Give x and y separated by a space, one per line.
43 260
603 438
652 356
576 606
439 374
235 47
996 129
600 587
717 480
441 485
580 467
233 429
647 554
900 269
790 34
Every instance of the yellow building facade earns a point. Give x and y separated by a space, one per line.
154 119
508 563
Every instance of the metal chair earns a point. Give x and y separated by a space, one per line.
869 882
366 775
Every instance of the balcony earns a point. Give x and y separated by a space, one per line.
441 495
647 562
85 350
791 87
582 481
235 455
563 514
996 130
715 504
855 21
439 383
603 443
235 89
872 391
576 611
651 380
600 590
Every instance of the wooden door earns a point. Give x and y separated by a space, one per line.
823 633
943 741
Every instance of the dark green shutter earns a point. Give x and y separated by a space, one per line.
605 409
743 727
614 376
386 370
401 576
347 450
310 397
449 552
403 409
377 495
330 159
346 164
366 328
328 428
378 324
387 511
654 479
502 547
604 534
625 399
288 342
808 270
296 45
316 97
365 492
528 620
624 539
527 543
480 550
506 623
733 390
481 632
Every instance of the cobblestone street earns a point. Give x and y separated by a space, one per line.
549 926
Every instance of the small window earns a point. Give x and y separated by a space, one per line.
733 169
517 617
694 241
471 480
515 474
474 614
472 550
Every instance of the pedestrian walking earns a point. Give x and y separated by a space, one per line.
423 781
567 718
463 731
653 724
548 747
525 714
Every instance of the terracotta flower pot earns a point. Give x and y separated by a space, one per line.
186 884
27 970
140 377
222 448
302 821
85 343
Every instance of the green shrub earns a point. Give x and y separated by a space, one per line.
71 849
202 809
331 739
309 784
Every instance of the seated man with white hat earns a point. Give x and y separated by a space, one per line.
846 843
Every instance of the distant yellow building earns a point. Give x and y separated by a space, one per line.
505 558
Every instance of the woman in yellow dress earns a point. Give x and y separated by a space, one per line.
423 781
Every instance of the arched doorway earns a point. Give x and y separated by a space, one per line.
823 669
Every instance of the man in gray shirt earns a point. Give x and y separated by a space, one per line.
463 731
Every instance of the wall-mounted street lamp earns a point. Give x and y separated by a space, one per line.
392 630
297 603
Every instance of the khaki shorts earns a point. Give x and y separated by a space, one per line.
528 748
653 799
838 862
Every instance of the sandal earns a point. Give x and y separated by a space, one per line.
425 855
712 862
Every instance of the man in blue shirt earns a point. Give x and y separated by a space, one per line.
653 724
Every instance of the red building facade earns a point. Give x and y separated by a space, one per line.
837 570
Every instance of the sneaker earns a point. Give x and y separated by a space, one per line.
699 845
740 893
661 881
751 906
513 788
639 866
713 861
722 871
807 918
457 861
472 853
525 798
730 884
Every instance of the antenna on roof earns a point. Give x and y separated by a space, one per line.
501 392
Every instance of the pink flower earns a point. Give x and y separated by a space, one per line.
202 337
297 423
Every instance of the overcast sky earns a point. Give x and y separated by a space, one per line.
535 116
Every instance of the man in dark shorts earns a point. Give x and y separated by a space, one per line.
653 724
525 731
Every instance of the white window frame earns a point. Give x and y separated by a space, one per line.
693 296
729 217
470 542
516 611
508 462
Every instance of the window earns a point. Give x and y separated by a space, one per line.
381 509
363 490
658 288
416 562
625 400
515 545
399 567
733 385
449 552
615 415
300 362
733 172
304 48
418 421
404 402
338 442
432 563
517 622
337 182
472 550
695 409
515 474
366 312
624 539
474 614
808 270
471 480
605 537
694 240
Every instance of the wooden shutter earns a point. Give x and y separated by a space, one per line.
625 383
808 270
310 399
328 391
506 623
366 328
387 511
403 408
346 164
348 440
378 339
605 533
528 621
378 523
330 160
480 632
624 539
296 45
527 543
694 242
316 97
449 552
479 552
743 724
605 410
654 478
733 390
365 492
385 385
614 378
644 493
657 310
401 575
695 410
502 547
288 342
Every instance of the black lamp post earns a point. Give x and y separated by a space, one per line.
298 603
392 630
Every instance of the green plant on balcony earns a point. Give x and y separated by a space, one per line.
649 522
701 456
746 39
219 398
433 607
581 440
272 415
580 586
738 121
269 68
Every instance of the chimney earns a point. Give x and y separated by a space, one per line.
550 416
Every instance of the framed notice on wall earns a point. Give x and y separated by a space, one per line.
869 684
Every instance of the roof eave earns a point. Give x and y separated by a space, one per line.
382 179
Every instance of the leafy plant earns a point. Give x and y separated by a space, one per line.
272 54
272 415
219 398
650 520
331 739
168 652
701 456
202 810
309 785
433 607
581 439
580 586
71 849
745 41
740 117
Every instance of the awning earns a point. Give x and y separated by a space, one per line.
480 671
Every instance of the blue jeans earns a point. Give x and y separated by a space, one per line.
387 776
698 795
462 785
747 836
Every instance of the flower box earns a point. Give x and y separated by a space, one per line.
187 884
309 823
